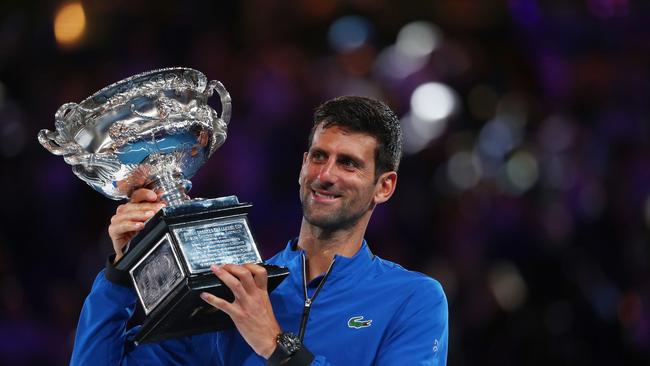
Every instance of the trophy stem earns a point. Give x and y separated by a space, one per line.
170 188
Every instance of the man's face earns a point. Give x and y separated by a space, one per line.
337 179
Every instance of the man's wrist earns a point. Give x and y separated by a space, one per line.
289 351
116 276
269 351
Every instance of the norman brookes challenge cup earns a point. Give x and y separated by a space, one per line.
155 130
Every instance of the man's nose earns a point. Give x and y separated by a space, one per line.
327 173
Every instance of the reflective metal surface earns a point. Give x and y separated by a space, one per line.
217 241
156 274
152 130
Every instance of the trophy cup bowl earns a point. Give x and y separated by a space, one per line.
155 130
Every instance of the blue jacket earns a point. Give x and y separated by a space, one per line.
369 311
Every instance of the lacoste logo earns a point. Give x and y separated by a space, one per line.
357 322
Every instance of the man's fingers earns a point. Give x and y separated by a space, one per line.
229 280
244 275
144 195
118 230
132 216
217 302
144 206
259 274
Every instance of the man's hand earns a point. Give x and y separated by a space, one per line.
129 218
251 311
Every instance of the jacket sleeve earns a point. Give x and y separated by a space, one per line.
418 333
102 337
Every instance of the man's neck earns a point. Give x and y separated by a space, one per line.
321 245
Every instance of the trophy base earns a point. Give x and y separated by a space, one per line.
184 313
169 265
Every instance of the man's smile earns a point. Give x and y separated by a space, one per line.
323 196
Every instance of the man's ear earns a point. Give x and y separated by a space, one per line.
385 186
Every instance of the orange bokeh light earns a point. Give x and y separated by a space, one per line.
69 24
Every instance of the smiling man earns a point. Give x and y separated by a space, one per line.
340 305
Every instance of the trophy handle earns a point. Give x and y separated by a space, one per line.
62 113
226 101
59 142
51 141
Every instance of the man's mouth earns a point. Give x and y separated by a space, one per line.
323 196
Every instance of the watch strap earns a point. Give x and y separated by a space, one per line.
290 351
302 357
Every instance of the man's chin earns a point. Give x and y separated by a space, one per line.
328 222
323 221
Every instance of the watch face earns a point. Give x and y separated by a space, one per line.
289 342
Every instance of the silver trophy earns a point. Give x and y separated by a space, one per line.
156 130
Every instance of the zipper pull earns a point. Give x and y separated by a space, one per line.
303 319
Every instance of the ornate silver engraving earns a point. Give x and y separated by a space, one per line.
153 129
157 274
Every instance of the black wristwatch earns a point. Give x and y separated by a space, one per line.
289 351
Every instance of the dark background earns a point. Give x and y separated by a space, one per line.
530 202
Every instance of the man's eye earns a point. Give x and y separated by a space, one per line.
349 163
317 156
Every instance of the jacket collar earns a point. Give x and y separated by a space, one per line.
343 266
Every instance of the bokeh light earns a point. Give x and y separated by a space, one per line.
394 65
433 101
507 285
497 138
69 24
522 171
418 39
411 52
464 170
348 33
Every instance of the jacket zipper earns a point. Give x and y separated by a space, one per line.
309 300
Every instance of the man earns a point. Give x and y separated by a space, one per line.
340 305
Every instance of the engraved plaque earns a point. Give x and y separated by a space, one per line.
217 241
157 274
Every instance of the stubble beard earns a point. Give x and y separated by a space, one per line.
343 217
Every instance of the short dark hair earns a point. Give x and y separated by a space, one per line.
361 114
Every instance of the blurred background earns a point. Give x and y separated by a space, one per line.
524 189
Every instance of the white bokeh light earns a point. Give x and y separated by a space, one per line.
411 52
418 39
433 101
